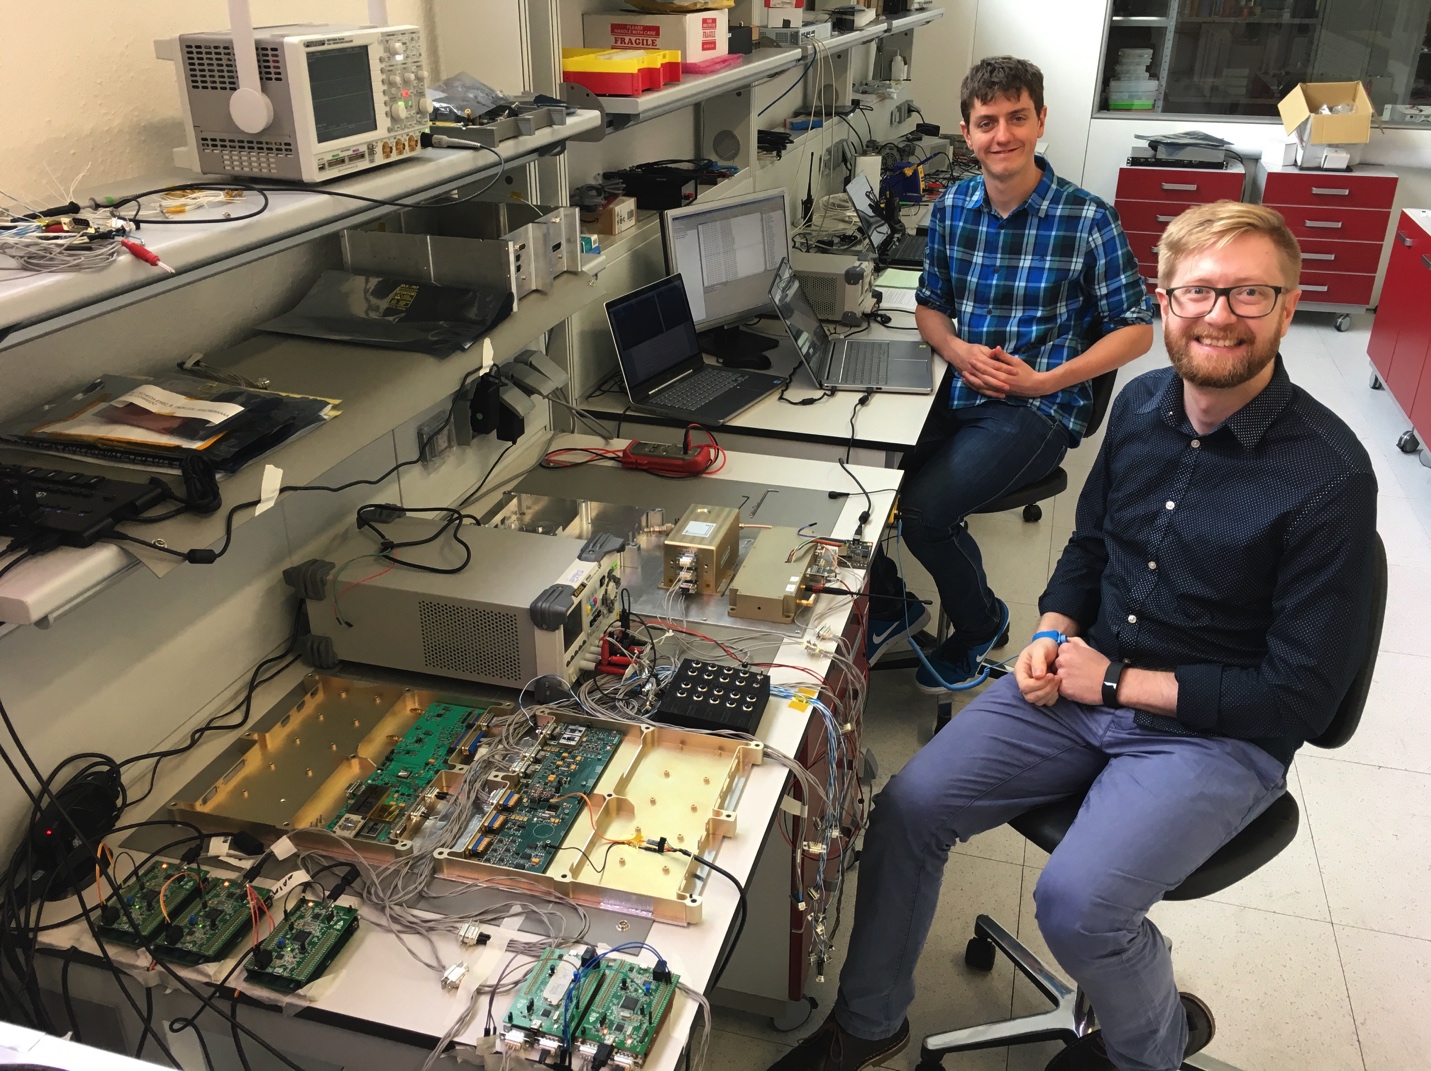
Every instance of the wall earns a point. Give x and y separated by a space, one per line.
100 102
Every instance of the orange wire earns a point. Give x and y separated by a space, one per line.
162 909
591 816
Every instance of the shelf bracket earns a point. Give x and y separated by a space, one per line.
577 96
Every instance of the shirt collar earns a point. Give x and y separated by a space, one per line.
1248 424
1037 201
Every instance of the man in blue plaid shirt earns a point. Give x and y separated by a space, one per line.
1029 291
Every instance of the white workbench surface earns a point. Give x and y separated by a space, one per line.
376 982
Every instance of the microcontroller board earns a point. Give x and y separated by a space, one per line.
154 895
393 801
526 826
612 1002
306 941
207 930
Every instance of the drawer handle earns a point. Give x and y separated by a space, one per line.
1426 260
1165 219
1155 249
1403 239
1319 256
1318 289
1191 187
1324 224
1331 193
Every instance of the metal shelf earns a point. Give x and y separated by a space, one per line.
35 305
379 389
843 42
900 23
694 88
1154 21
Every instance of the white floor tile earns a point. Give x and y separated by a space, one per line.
1372 829
1393 731
1407 597
1274 984
1389 979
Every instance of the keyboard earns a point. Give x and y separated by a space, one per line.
866 362
909 247
75 508
695 391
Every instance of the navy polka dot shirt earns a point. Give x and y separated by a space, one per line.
1241 559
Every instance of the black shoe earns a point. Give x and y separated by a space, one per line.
1088 1053
831 1048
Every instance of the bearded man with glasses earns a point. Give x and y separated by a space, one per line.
1205 619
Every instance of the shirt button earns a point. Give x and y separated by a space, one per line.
1132 619
1196 443
1152 565
1168 504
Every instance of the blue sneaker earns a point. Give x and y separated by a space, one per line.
884 633
953 662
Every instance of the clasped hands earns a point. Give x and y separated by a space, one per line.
1046 671
995 373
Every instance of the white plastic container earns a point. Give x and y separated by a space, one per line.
1132 94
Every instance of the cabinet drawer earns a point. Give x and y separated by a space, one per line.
1150 217
1337 289
1178 185
1320 254
1326 188
1144 245
1347 224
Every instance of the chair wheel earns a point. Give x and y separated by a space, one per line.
942 716
1408 443
1033 512
1343 322
979 954
1375 381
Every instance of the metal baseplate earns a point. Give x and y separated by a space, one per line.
578 818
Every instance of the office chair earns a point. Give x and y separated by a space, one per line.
1071 1016
1056 482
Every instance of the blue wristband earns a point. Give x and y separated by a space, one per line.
1050 634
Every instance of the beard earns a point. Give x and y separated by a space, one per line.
1219 373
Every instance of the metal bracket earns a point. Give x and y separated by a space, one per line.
580 97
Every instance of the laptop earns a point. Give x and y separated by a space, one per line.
894 365
661 361
902 251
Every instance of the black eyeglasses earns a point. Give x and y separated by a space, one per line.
1251 302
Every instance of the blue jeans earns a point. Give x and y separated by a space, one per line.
1158 807
964 459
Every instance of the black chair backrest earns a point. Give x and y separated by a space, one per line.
1102 398
1348 715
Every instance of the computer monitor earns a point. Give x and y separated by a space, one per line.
727 252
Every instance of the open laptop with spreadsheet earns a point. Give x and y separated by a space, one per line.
897 366
661 363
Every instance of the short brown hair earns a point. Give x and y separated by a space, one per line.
1000 76
1212 226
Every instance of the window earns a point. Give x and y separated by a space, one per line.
1228 58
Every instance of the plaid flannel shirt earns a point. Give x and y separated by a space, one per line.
1045 283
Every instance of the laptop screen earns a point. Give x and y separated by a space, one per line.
861 195
799 316
653 330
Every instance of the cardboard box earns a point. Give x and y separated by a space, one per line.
1318 134
618 216
784 12
698 35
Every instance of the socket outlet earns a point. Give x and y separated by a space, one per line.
901 112
435 437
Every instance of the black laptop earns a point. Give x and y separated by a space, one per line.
897 250
661 361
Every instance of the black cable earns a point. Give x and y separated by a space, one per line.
114 205
65 995
234 1028
148 1023
24 557
804 71
742 907
453 521
477 491
869 502
297 188
862 401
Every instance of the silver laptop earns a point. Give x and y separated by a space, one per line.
894 365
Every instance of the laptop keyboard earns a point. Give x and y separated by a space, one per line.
910 247
695 391
866 362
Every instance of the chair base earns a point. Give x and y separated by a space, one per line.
1070 1018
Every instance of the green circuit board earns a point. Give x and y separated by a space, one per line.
380 807
615 1002
207 930
155 896
303 945
527 825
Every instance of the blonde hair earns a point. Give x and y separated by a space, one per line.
1212 226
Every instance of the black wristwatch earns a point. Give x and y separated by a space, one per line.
1111 676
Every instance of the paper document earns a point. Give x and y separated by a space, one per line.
167 403
895 300
898 278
